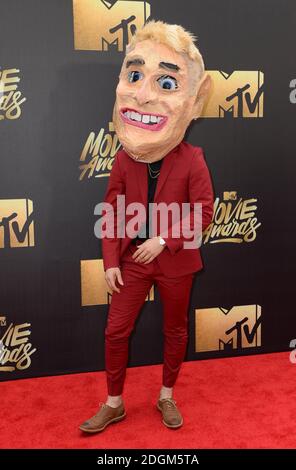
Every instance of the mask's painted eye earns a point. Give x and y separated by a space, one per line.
134 76
168 83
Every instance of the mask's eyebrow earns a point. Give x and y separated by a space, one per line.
163 65
168 65
136 61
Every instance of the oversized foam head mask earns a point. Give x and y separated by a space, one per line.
156 99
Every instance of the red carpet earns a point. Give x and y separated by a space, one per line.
244 402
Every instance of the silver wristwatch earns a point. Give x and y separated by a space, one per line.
161 241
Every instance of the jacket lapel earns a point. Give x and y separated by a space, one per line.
142 180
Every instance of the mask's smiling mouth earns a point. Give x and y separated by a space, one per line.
152 122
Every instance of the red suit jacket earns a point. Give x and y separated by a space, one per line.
184 177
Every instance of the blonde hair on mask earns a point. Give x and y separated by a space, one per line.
178 39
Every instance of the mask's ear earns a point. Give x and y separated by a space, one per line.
204 88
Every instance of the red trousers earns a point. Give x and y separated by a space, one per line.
125 306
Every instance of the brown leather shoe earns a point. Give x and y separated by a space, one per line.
106 415
171 416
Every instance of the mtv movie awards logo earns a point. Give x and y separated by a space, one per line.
98 153
107 25
15 346
238 94
10 97
234 220
16 223
237 328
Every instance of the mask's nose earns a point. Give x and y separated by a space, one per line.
146 93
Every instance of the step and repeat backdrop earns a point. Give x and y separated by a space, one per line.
59 67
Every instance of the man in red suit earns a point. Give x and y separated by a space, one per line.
162 87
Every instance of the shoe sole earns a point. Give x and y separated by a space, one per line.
93 431
171 426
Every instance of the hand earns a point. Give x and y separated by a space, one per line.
148 250
111 275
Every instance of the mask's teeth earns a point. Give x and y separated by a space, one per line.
135 116
145 118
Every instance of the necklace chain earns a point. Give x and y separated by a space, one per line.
151 171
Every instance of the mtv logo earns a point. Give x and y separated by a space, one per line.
236 94
219 329
230 195
2 321
101 25
16 223
94 289
227 346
